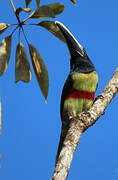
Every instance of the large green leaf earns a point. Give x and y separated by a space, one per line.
5 51
53 28
27 2
38 3
74 1
56 7
3 27
43 12
40 70
22 66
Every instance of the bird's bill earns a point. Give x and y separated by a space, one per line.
73 44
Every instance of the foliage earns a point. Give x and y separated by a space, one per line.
22 65
27 2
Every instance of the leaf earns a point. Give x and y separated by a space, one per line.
74 1
43 12
38 3
56 7
19 10
27 2
53 28
22 66
3 27
40 70
27 10
5 51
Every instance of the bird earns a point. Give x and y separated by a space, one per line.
79 89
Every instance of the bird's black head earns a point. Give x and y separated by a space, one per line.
80 61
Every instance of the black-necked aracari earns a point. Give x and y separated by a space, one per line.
79 89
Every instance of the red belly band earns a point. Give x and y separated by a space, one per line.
79 94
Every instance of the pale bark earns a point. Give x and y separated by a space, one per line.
79 124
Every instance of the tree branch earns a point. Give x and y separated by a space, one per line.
79 124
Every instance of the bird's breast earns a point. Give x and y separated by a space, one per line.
85 82
81 94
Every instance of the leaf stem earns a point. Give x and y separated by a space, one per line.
14 30
19 34
27 18
13 24
31 24
25 35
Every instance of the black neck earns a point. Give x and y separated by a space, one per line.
81 64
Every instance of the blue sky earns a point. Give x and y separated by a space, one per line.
31 128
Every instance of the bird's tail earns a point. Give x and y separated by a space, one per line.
64 131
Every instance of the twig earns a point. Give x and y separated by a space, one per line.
79 124
13 6
20 24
